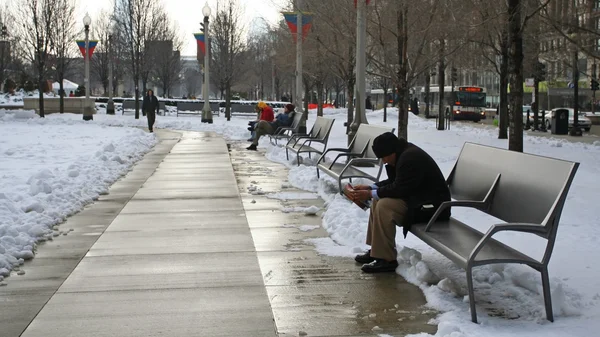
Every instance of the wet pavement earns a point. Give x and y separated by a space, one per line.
179 247
311 293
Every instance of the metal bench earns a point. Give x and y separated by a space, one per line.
238 108
195 108
130 105
285 132
359 152
318 134
503 184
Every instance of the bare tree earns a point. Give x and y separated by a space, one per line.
167 65
228 51
135 22
192 78
38 20
100 62
62 39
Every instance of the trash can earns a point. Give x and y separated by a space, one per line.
560 122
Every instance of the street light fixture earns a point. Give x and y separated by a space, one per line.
88 113
110 105
206 111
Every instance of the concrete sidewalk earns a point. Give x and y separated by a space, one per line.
177 260
180 248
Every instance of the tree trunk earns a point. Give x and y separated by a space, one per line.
402 29
61 93
307 90
515 138
503 108
385 103
41 93
228 102
427 93
137 96
350 118
441 81
320 99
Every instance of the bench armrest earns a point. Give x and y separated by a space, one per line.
515 226
345 152
353 161
457 203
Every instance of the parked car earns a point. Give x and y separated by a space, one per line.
531 115
583 122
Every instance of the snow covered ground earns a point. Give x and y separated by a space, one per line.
51 167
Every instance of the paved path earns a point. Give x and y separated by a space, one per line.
174 250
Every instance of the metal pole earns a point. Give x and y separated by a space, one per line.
594 91
575 130
273 93
87 110
361 62
299 71
110 106
206 111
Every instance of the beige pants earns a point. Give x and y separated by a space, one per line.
381 234
262 128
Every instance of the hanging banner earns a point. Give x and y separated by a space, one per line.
92 46
201 42
356 2
291 18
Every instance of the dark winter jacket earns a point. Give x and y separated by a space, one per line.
416 179
150 104
283 120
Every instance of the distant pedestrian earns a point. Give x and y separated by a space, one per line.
368 104
150 107
414 106
71 94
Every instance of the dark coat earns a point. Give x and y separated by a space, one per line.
150 104
416 179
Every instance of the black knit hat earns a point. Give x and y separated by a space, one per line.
290 107
386 144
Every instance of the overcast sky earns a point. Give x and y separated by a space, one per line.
188 14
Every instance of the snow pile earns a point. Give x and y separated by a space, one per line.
51 169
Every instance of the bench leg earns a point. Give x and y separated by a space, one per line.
340 186
547 297
318 172
287 155
298 158
471 294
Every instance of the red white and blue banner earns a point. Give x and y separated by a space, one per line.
291 18
201 42
92 46
357 1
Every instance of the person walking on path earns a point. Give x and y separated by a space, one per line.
150 108
414 190
268 128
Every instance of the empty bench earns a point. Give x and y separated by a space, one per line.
195 108
303 144
358 153
130 105
504 184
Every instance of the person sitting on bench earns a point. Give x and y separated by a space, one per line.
415 188
268 128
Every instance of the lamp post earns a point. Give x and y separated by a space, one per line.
273 93
4 51
88 113
361 62
206 111
299 71
110 106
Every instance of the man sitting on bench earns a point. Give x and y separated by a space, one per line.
415 188
268 128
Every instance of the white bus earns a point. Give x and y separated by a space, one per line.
465 102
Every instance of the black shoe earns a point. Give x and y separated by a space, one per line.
380 266
364 258
251 147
